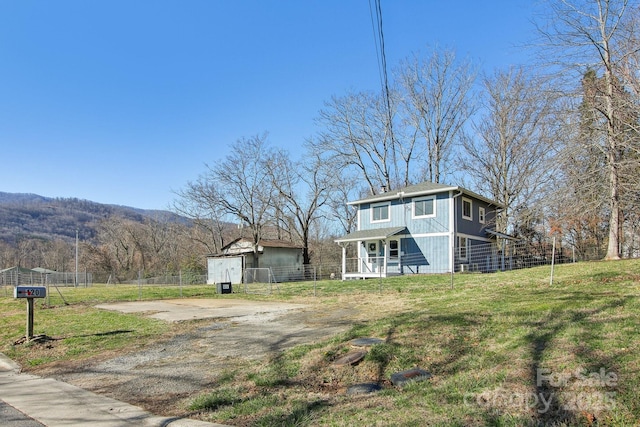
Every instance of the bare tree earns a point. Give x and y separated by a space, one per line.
512 142
238 189
436 104
630 81
358 136
199 201
115 251
579 205
589 34
304 187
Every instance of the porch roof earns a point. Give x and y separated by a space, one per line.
376 233
501 235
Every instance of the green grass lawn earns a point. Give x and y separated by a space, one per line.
504 349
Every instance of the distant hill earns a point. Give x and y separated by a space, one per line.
31 215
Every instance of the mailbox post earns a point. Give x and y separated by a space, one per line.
29 292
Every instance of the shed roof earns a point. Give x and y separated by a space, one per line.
244 246
268 243
44 270
20 270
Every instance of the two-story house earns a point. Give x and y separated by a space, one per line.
422 228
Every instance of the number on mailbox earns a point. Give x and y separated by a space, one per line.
29 292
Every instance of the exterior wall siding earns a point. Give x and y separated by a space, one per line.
401 214
473 227
280 257
426 247
429 254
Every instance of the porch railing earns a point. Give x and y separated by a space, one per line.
372 265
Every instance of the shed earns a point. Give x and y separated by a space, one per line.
228 266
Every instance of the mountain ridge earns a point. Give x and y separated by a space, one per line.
29 215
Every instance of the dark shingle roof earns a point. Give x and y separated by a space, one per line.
373 234
422 189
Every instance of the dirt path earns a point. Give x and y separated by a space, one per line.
159 377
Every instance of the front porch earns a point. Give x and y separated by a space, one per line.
377 250
370 268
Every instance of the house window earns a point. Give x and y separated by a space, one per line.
393 249
466 209
463 243
481 215
424 207
380 212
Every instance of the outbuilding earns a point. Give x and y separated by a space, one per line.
280 256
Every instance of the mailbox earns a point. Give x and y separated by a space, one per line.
29 292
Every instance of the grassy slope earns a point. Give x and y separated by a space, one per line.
486 342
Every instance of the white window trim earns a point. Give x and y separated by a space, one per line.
482 214
466 248
420 199
397 256
470 217
374 205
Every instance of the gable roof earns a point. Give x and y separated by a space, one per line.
423 189
20 270
373 234
265 243
44 270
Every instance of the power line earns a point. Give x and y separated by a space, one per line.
378 35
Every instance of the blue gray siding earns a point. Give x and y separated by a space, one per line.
474 227
401 214
425 255
426 246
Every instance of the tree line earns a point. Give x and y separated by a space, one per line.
556 144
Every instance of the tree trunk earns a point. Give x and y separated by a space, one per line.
613 248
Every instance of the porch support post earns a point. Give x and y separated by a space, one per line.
452 233
344 260
386 257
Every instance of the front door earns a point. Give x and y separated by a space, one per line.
372 257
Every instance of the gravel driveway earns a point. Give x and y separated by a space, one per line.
159 377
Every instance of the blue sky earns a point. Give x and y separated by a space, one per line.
124 102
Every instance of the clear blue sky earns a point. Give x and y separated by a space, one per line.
124 101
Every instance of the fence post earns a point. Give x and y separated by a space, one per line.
553 258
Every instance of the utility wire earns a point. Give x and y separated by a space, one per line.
378 35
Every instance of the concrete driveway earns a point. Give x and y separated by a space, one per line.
176 310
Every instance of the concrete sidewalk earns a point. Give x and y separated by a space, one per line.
56 403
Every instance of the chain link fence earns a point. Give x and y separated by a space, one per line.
182 278
24 277
515 255
477 257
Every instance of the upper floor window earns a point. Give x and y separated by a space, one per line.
481 215
380 212
424 207
467 212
